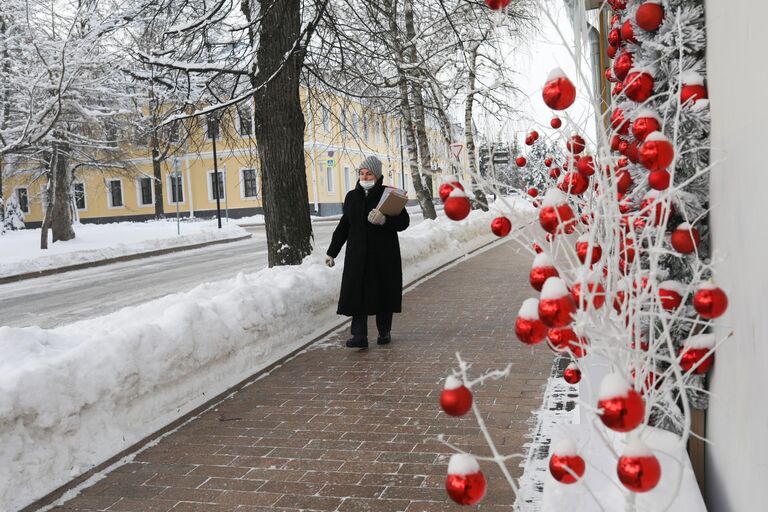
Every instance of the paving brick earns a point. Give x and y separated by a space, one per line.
348 430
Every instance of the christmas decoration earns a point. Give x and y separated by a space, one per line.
649 16
656 153
596 290
528 327
573 183
565 464
456 398
611 51
465 482
533 192
548 162
646 122
622 65
586 166
555 123
693 88
623 407
614 37
575 144
671 294
565 340
532 137
618 123
501 226
628 32
583 248
542 269
638 468
559 92
685 239
556 304
555 216
633 152
497 5
521 161
623 181
697 354
618 5
638 85
457 205
572 374
710 301
659 180
447 188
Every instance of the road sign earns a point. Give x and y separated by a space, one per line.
330 162
456 150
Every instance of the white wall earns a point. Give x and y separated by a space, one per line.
737 464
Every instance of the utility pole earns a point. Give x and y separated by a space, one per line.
216 168
177 183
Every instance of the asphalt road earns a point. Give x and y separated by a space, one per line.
70 296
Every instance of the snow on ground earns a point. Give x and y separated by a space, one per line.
20 250
73 396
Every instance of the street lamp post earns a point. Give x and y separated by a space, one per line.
176 174
216 169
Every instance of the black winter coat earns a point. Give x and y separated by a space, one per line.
372 281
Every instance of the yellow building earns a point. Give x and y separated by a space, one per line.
337 137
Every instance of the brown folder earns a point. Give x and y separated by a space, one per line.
392 201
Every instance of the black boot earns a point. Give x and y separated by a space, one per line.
357 341
383 339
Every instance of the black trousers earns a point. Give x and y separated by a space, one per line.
360 324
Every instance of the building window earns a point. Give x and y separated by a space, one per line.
377 134
355 123
215 192
250 186
347 179
343 121
177 189
329 176
115 193
22 197
245 119
145 191
365 127
326 119
211 127
110 134
79 192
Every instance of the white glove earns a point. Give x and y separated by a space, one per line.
376 217
329 261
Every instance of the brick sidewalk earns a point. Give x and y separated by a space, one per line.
346 430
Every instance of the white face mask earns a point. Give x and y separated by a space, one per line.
367 185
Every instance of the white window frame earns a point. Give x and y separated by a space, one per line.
85 195
207 132
326 118
109 194
169 188
365 127
329 178
377 126
16 196
242 184
239 131
347 179
209 181
151 191
355 123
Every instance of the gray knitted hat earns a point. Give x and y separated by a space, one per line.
373 164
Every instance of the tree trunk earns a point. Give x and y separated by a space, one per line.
61 210
158 175
279 130
480 198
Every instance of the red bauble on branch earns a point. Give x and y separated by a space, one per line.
521 161
465 482
501 226
618 123
685 238
572 374
586 166
623 181
671 294
659 180
614 37
457 205
697 355
542 269
559 92
595 290
628 32
548 161
497 5
646 122
618 5
533 192
556 305
582 250
565 464
576 144
622 65
573 183
638 86
564 340
693 88
554 173
638 468
710 301
528 327
446 189
555 215
657 152
456 398
556 123
611 51
623 407
649 16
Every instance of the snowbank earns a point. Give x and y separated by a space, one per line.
20 251
73 396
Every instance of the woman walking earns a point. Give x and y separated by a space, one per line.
372 280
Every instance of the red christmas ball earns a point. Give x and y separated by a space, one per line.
521 161
710 301
557 219
595 290
628 32
685 239
644 125
457 205
615 142
529 141
614 19
447 188
697 355
638 469
649 16
555 123
528 327
617 89
622 65
465 483
623 407
582 249
501 226
633 152
542 269
554 173
576 144
638 86
623 147
559 92
456 398
548 161
618 5
556 305
533 192
623 181
659 180
565 465
657 152
497 5
564 340
611 51
537 248
692 93
572 374
670 295
574 183
609 75
618 123
614 37
586 166
653 208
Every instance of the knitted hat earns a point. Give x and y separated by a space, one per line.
373 164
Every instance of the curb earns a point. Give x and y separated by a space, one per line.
137 447
117 259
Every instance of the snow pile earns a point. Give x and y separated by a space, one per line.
20 251
73 396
